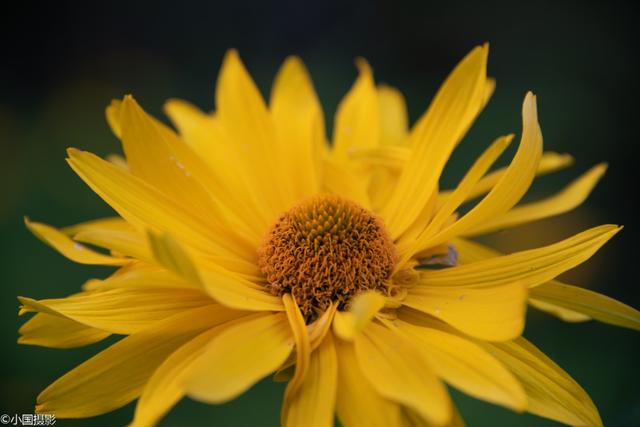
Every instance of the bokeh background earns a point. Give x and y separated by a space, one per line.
62 62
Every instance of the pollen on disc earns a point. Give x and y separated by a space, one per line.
326 249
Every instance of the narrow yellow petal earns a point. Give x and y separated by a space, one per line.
494 313
555 310
358 404
465 365
479 168
363 308
313 405
299 125
70 249
112 114
239 357
549 162
357 123
513 184
589 303
551 391
109 223
397 371
117 375
569 198
303 352
120 311
394 120
434 137
47 330
530 268
317 331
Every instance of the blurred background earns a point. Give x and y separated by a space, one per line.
62 62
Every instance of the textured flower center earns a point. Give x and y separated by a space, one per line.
326 249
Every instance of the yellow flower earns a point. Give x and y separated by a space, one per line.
246 246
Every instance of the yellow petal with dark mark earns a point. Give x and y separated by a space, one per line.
530 268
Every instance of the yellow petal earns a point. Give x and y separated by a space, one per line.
152 154
394 120
244 117
363 308
117 375
569 198
340 180
129 243
112 113
530 268
559 312
52 331
317 331
109 223
551 391
70 249
434 137
358 404
120 311
166 386
219 164
313 405
398 372
299 126
589 303
464 365
479 168
140 275
357 123
549 162
239 357
303 352
494 313
147 209
513 184
412 419
222 285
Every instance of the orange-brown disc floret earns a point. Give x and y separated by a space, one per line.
326 249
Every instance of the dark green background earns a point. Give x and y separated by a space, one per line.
60 64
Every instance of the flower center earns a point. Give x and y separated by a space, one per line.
326 249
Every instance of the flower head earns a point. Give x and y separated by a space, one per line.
246 245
